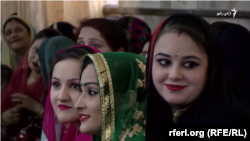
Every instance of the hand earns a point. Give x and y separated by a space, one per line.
27 103
11 116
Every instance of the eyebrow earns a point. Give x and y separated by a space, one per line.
95 39
73 79
185 57
89 83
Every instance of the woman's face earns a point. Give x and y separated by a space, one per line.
16 36
179 69
65 89
88 104
33 59
91 37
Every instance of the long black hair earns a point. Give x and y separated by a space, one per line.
211 107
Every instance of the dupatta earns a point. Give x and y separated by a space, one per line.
47 52
50 126
18 84
122 89
211 107
8 57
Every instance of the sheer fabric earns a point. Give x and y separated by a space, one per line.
47 52
122 89
55 131
28 122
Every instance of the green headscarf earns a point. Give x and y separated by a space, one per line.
8 56
122 89
47 52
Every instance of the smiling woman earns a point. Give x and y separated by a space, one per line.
18 34
112 104
23 100
185 78
61 120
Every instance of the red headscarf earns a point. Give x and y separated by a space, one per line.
49 122
18 84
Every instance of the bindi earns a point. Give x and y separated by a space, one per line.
179 34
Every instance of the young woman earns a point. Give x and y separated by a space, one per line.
185 78
18 34
112 103
137 32
103 34
23 100
61 120
47 52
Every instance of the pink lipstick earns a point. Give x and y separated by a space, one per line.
63 107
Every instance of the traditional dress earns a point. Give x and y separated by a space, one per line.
47 52
29 126
8 56
211 107
54 131
122 89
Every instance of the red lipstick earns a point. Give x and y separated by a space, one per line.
175 87
84 117
63 107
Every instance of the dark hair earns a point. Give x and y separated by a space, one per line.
19 21
188 26
71 53
46 33
111 31
5 68
66 29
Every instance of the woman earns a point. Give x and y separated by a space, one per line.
23 100
112 104
18 34
137 31
64 91
66 29
185 79
236 55
103 34
47 52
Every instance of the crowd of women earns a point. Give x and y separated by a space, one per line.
114 80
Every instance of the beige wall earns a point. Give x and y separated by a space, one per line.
153 21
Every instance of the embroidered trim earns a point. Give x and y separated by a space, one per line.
106 95
178 113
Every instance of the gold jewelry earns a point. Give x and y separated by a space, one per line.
4 124
40 114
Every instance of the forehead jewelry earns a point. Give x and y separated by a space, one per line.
176 55
63 79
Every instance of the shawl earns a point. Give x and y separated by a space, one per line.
122 95
50 119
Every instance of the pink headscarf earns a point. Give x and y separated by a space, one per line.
49 124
